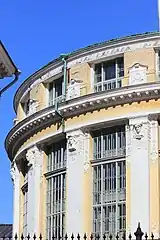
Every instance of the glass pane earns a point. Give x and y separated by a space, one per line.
58 87
120 67
109 70
98 74
57 203
51 94
109 211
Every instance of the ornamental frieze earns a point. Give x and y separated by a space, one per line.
91 57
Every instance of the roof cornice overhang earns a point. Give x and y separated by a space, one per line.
95 101
84 54
7 66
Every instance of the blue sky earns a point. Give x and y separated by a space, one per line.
35 32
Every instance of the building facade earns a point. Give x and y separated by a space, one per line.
84 149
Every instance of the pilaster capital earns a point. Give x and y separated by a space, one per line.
33 156
14 172
73 140
78 146
138 126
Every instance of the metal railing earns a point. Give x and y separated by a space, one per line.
138 235
56 100
118 152
107 84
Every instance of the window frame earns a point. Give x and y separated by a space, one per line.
106 149
52 98
56 175
117 80
115 196
25 209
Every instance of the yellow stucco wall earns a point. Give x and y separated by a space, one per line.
144 57
20 113
82 72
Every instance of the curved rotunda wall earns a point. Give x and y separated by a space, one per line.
127 108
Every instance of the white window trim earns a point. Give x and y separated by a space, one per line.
109 80
53 174
53 96
157 63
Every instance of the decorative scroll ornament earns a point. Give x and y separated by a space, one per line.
33 156
138 131
154 140
74 89
137 74
86 152
33 104
72 143
14 172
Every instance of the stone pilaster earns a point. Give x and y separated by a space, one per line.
138 185
154 177
77 164
34 157
15 175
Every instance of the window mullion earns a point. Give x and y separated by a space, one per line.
51 203
116 143
102 148
54 93
116 68
61 201
116 196
102 76
101 200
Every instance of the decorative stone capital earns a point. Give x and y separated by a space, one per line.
74 89
138 127
72 143
33 156
73 140
138 131
33 104
14 172
153 138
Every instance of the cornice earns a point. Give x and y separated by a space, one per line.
88 54
41 119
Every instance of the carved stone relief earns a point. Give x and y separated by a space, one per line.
154 140
33 104
73 89
138 131
137 74
33 156
14 172
86 152
128 142
78 146
72 143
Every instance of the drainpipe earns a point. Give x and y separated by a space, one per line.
16 74
64 58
